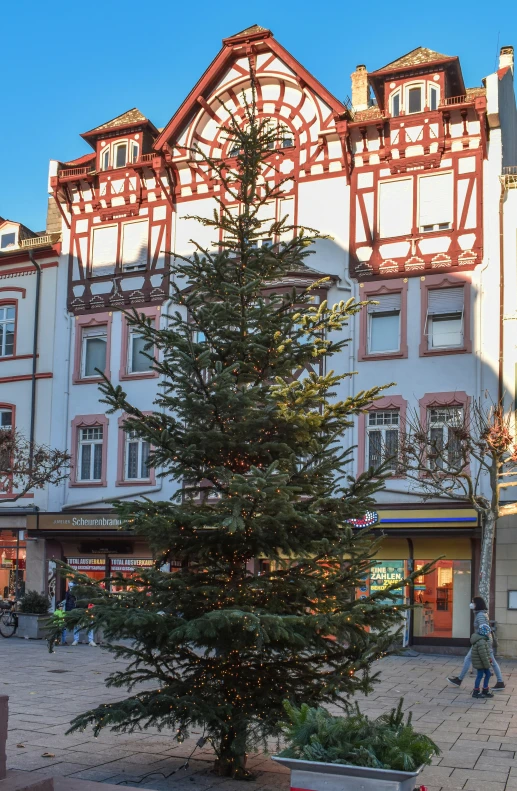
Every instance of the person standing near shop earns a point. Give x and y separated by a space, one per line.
71 604
480 617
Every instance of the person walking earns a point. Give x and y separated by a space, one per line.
480 642
479 607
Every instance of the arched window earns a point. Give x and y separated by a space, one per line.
105 158
414 98
395 104
434 94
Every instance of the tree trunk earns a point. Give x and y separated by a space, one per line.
487 554
231 757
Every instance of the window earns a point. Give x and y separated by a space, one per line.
384 324
287 141
135 237
235 150
120 155
383 437
435 202
433 97
395 208
90 453
104 250
414 99
445 307
444 423
134 152
7 240
138 362
395 104
94 345
6 426
7 325
136 457
105 158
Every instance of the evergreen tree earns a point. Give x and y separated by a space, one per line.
262 472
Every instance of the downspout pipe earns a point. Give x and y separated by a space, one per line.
35 340
501 293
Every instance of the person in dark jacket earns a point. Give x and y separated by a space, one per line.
71 604
478 605
481 661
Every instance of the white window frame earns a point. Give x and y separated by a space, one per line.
88 437
4 323
396 93
411 182
433 86
104 151
380 421
373 311
132 438
86 333
135 152
439 226
116 146
10 244
407 88
4 411
443 424
428 330
132 332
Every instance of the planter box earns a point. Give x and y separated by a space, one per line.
31 625
342 777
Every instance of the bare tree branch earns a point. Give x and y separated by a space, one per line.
25 467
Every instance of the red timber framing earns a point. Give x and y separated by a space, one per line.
408 147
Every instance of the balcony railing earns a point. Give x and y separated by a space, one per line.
148 157
74 172
39 241
510 170
451 100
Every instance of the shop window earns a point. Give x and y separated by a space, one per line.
7 240
6 427
444 425
136 458
90 457
384 324
13 550
7 330
395 208
445 308
443 597
383 438
435 202
94 348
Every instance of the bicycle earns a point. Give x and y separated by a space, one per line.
8 619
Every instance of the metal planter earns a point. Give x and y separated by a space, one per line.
315 776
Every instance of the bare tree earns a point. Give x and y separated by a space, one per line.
25 466
465 454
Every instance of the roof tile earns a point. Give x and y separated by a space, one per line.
416 57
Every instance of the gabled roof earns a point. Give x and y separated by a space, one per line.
131 117
417 57
263 41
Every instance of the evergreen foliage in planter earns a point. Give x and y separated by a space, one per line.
388 742
34 603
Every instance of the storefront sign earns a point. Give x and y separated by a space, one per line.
368 520
87 564
77 521
130 564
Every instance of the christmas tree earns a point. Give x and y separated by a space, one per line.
258 453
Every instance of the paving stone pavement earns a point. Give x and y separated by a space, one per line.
478 738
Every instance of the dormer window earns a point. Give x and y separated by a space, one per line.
395 104
7 240
134 152
414 102
105 158
433 97
120 155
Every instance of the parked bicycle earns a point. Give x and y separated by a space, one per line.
8 619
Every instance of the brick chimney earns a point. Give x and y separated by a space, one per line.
360 88
506 57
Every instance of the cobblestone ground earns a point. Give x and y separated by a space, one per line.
478 737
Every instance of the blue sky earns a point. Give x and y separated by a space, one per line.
67 67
